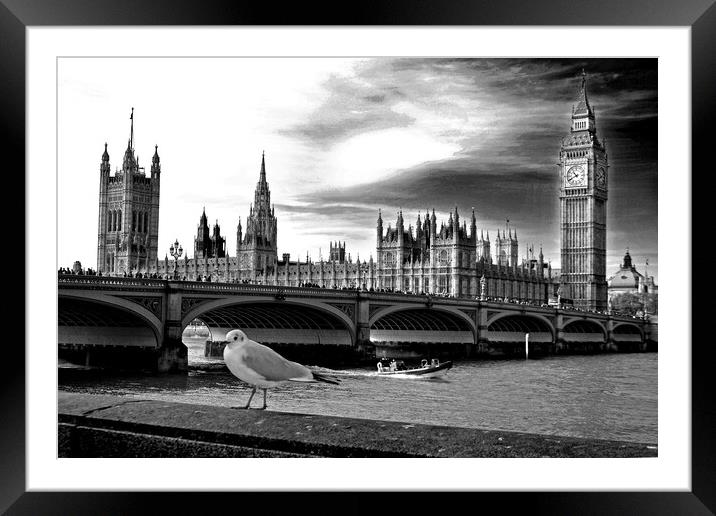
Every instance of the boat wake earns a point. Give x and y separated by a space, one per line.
343 372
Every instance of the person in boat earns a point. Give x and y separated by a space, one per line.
383 365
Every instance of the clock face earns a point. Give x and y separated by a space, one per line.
576 176
601 177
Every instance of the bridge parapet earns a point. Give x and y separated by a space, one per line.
265 290
105 282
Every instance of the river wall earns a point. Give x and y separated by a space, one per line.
113 426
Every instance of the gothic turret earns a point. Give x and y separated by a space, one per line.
473 226
257 252
379 229
239 236
105 159
582 112
202 241
218 243
262 195
483 248
129 163
156 167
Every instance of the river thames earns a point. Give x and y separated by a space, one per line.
607 396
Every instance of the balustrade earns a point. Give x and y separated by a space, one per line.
100 282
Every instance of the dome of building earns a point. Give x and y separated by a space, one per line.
626 277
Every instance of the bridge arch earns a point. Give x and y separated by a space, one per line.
107 331
585 327
411 331
521 323
451 311
625 328
270 321
628 336
99 310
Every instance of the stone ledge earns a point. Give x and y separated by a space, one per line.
112 426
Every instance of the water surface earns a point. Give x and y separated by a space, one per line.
610 396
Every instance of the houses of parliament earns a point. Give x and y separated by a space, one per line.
452 258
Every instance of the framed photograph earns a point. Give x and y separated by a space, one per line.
564 141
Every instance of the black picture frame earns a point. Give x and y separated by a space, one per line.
700 15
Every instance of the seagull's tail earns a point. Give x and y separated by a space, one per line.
325 378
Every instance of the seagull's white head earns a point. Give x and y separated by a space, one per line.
235 338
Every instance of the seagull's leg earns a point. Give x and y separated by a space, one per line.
253 391
264 407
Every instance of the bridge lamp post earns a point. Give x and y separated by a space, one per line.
176 251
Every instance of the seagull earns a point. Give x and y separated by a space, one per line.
262 367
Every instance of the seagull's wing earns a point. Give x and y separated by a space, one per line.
272 366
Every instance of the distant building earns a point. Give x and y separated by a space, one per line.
583 209
452 261
257 258
128 213
257 250
627 280
447 261
206 244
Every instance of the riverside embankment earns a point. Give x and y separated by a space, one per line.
113 426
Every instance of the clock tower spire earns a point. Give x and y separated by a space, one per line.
583 201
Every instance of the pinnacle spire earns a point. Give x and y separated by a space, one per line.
582 107
263 167
131 130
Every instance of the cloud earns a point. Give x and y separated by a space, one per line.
350 107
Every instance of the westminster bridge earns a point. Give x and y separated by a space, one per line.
139 322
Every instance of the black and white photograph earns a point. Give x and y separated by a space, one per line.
370 257
350 259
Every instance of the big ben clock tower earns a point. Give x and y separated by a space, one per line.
583 209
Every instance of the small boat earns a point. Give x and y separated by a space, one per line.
398 368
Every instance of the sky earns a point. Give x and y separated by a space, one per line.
344 138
